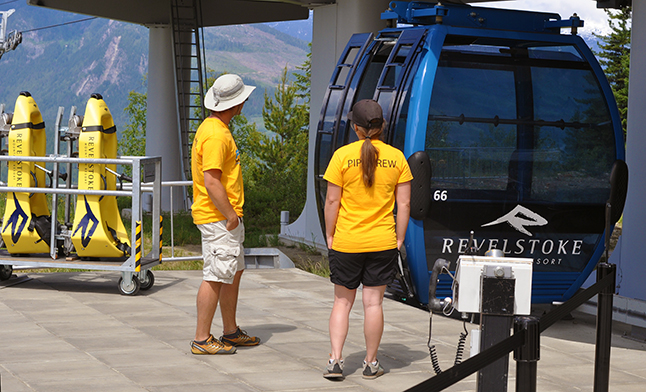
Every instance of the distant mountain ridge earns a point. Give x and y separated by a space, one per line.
62 66
301 29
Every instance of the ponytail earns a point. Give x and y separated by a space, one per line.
369 154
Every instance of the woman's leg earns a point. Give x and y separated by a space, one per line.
373 324
340 318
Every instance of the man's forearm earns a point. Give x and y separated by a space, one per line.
219 197
218 194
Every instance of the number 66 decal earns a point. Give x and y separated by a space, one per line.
440 195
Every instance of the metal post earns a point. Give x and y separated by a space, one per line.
53 249
528 354
137 214
494 329
156 207
70 151
172 225
68 181
604 328
496 319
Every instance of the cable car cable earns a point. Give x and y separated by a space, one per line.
8 2
60 24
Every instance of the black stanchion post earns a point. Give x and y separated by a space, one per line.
496 319
528 354
604 328
494 329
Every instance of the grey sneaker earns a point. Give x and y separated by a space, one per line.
372 370
334 369
239 338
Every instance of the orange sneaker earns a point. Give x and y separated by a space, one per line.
212 346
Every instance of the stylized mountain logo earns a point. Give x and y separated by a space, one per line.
17 221
87 225
519 218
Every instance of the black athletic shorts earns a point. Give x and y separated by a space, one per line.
370 268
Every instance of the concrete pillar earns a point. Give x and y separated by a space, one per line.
631 264
162 135
334 24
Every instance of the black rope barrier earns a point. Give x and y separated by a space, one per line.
470 366
577 300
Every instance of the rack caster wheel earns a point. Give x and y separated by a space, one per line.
6 271
131 289
147 280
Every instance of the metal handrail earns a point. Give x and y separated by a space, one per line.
55 189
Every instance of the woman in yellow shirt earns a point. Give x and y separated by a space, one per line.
365 181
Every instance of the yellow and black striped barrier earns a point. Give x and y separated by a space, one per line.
138 247
161 231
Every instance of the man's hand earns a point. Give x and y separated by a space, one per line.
233 223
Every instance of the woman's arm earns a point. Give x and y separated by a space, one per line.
402 197
332 204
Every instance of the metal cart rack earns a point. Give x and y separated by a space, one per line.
135 269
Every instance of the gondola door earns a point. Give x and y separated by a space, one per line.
368 68
331 120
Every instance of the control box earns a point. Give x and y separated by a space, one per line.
472 271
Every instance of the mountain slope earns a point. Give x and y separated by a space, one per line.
62 66
256 52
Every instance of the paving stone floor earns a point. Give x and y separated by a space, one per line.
75 332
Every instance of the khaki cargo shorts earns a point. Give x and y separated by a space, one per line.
222 251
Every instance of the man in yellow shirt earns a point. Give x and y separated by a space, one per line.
217 211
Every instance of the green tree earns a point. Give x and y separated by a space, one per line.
132 140
277 161
274 163
304 77
242 129
615 57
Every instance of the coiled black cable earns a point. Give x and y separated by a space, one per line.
431 348
461 343
434 361
459 351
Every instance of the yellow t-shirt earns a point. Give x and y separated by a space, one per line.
366 222
214 148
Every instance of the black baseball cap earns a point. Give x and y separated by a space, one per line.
367 113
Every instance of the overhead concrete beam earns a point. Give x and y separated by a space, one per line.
150 12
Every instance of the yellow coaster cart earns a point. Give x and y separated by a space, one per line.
96 239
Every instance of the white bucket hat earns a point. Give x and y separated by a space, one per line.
227 91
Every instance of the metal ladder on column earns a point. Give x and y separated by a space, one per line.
189 73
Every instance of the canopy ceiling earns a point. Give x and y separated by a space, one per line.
214 12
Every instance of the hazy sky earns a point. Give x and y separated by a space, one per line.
594 19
